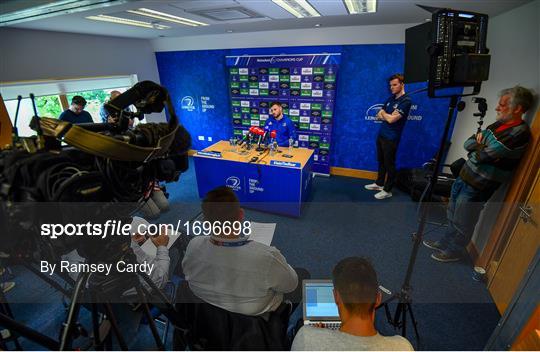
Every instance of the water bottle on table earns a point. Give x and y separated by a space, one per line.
291 142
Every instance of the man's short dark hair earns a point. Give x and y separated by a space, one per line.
356 282
221 204
398 76
275 103
78 100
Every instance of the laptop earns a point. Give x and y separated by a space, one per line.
319 305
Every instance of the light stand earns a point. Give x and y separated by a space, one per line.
404 308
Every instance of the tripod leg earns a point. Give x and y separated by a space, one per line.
404 320
114 325
31 334
95 323
414 324
73 313
156 290
150 319
397 316
6 309
387 312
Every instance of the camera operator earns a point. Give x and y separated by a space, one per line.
103 113
492 156
107 118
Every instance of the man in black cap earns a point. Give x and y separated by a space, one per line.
76 113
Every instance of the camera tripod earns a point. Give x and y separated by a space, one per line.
95 293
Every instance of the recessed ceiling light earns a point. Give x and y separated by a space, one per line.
299 8
167 17
126 21
360 6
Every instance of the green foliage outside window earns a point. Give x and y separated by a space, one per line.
94 100
98 96
49 106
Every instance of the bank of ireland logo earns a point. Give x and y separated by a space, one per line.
414 114
233 183
188 103
371 112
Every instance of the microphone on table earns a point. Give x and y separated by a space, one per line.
259 132
247 137
266 133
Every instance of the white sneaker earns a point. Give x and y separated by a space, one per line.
373 187
383 195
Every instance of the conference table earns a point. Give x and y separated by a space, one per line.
272 183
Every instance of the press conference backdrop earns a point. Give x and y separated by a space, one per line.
304 84
198 82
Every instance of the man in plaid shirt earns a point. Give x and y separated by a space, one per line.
492 156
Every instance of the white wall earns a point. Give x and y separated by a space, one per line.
514 42
380 34
37 55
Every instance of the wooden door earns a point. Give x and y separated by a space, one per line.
521 248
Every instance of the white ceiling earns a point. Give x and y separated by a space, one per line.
272 17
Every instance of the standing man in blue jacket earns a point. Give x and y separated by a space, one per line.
393 115
284 127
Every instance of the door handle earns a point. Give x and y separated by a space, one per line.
525 213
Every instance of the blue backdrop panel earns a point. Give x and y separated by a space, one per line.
362 86
197 83
362 89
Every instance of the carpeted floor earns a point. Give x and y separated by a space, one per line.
341 219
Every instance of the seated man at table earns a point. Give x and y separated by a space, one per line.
283 126
233 272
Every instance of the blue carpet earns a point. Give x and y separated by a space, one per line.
341 219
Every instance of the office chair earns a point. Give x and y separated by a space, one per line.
202 326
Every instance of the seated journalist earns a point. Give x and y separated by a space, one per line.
233 272
356 292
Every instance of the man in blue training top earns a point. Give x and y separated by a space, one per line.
284 127
76 113
393 116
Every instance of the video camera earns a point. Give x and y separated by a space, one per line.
105 172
